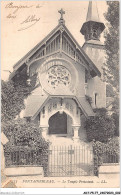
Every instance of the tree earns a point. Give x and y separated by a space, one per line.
13 95
12 101
116 122
101 127
25 139
111 69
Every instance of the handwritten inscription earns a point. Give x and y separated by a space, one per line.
29 20
17 7
11 16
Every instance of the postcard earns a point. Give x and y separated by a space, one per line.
60 94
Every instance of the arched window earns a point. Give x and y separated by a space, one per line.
96 99
95 33
86 76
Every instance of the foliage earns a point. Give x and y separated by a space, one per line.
14 92
26 142
108 152
12 101
112 146
116 106
115 117
111 69
109 91
12 98
112 43
101 127
22 133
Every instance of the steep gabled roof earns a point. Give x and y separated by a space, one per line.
34 49
24 59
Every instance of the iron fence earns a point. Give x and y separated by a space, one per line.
108 158
60 161
67 161
27 158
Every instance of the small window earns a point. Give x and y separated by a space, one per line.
43 111
95 99
95 33
86 73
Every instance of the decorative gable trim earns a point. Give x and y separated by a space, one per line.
52 43
38 46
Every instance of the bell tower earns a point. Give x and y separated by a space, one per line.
95 49
92 28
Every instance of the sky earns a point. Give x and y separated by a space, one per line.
20 34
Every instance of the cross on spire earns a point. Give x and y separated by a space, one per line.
61 12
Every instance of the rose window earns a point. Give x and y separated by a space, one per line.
58 75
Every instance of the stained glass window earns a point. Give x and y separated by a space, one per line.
58 75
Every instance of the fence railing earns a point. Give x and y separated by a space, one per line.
60 160
108 158
26 158
20 158
70 160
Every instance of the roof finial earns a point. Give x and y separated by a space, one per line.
61 20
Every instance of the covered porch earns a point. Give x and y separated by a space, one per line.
60 116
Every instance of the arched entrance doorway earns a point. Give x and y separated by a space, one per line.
58 123
60 120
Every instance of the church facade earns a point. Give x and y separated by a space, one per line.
64 76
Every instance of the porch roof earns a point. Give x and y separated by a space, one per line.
36 102
85 106
33 103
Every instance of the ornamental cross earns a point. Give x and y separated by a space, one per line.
61 12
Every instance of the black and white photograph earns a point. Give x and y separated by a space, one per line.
60 94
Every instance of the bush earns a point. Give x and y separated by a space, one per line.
111 147
115 117
105 153
101 127
25 144
22 133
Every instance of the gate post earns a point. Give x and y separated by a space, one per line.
44 131
76 132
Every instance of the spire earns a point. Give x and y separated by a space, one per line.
93 27
92 14
61 20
